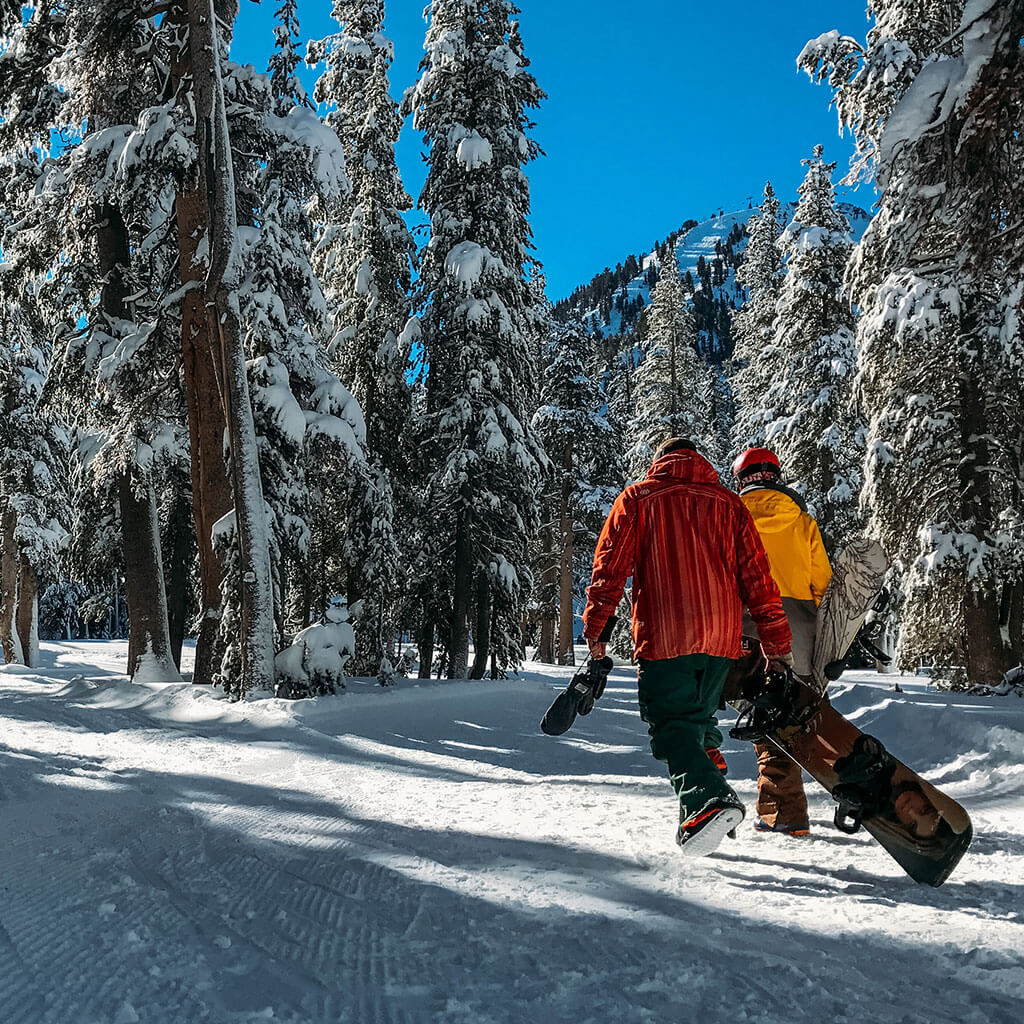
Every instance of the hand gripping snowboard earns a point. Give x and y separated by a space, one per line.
922 829
585 687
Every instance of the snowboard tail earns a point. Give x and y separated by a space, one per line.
922 829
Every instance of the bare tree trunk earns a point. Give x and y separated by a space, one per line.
148 636
425 645
546 649
983 641
987 660
1015 622
211 489
217 185
149 645
458 640
482 632
549 566
178 572
9 560
27 618
566 654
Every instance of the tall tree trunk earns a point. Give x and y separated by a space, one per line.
27 618
180 552
482 631
217 185
425 644
1015 623
566 654
987 658
458 639
9 561
149 644
211 488
983 642
148 636
549 567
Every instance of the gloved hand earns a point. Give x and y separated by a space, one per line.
781 662
598 648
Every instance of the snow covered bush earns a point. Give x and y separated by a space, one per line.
314 664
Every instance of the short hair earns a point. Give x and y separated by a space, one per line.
674 444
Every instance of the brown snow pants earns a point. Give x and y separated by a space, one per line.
780 788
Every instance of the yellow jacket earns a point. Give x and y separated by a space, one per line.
792 542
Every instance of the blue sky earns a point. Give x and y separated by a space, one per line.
657 111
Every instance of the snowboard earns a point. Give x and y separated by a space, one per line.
857 578
925 831
586 686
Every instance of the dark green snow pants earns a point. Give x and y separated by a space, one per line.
678 700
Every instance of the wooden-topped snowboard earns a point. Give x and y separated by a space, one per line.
922 829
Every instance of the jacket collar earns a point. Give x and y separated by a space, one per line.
779 488
683 466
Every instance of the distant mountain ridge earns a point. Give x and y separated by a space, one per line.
709 253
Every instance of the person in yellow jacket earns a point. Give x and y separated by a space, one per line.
801 570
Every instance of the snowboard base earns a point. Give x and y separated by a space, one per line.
922 829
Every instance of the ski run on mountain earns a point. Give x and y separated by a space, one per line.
304 465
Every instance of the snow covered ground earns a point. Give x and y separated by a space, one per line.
425 854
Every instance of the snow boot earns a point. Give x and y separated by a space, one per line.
784 830
700 835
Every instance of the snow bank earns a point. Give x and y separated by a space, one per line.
424 854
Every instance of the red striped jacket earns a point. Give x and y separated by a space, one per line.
696 560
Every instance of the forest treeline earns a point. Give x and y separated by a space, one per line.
243 403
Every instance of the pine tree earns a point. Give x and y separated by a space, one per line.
76 237
672 384
753 327
31 105
294 165
482 460
33 495
815 430
366 256
117 203
578 493
933 100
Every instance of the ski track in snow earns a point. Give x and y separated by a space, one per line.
425 854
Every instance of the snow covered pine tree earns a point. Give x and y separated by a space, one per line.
934 100
309 428
478 455
33 507
672 384
365 256
578 495
761 275
809 365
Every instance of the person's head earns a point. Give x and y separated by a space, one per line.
673 444
756 466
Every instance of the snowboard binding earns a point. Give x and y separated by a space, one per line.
585 687
865 643
772 705
578 697
864 789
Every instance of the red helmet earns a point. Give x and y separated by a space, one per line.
756 465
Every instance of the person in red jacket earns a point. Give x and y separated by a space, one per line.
696 561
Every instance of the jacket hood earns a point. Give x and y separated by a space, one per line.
684 466
773 509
